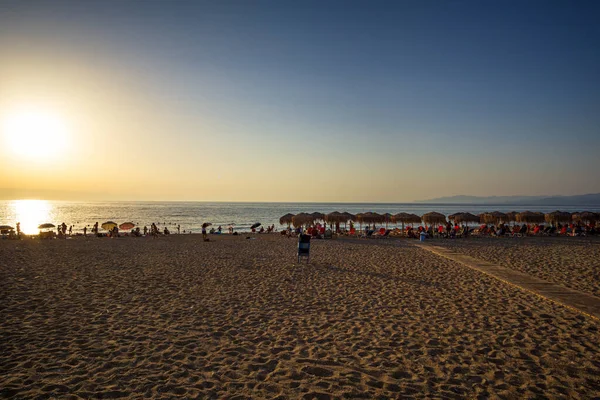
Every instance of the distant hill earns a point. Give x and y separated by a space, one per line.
592 199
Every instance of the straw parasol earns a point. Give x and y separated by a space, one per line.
336 218
286 219
387 217
6 228
558 216
317 216
465 217
302 219
493 217
349 217
370 218
586 216
434 218
406 218
511 216
531 217
359 218
451 217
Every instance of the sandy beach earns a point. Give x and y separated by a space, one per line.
237 318
570 261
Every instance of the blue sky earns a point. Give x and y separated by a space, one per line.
413 99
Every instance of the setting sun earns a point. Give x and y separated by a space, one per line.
35 134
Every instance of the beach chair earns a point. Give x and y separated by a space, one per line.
385 234
367 234
304 247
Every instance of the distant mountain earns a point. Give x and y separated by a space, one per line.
592 199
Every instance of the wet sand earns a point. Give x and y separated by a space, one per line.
237 318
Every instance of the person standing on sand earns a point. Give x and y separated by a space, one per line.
70 230
19 230
85 231
178 229
95 229
145 230
204 233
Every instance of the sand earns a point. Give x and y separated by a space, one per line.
570 261
236 318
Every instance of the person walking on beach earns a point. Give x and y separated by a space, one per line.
70 230
85 231
178 229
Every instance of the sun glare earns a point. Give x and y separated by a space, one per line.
31 213
35 135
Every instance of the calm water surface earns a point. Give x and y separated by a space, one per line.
191 215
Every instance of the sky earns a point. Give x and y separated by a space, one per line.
335 101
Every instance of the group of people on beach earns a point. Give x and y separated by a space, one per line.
572 229
449 230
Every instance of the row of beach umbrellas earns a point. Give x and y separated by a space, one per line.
494 217
109 225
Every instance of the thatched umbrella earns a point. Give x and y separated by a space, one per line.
511 216
317 216
434 218
557 217
387 217
286 219
406 218
335 218
531 217
451 217
302 219
585 216
369 218
358 217
349 217
465 217
493 217
373 218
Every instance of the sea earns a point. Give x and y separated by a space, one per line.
190 216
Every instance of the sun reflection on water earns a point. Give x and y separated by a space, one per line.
31 213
